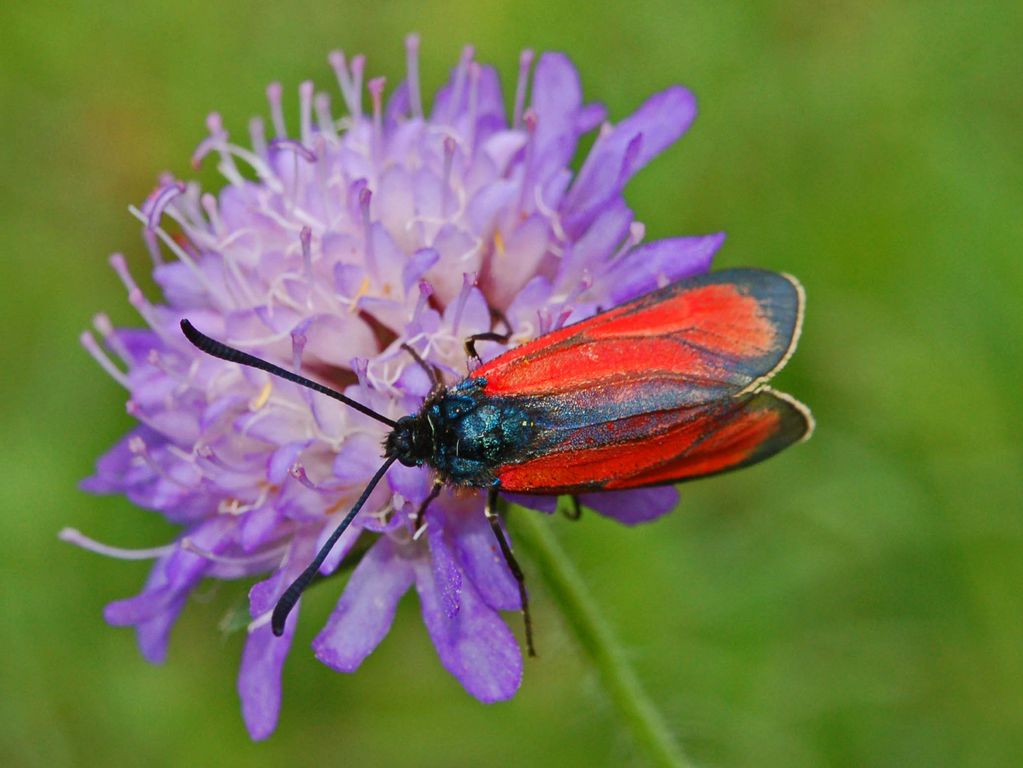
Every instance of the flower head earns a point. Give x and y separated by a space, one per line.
329 248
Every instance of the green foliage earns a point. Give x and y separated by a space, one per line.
854 602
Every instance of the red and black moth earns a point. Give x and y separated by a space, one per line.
669 387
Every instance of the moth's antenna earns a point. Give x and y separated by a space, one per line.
232 355
292 593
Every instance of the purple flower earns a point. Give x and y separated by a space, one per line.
331 246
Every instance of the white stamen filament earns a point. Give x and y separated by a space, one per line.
209 206
637 230
79 539
260 621
271 555
525 64
219 137
551 214
412 65
180 252
262 169
324 119
456 91
376 92
474 88
257 136
274 94
97 353
305 100
106 329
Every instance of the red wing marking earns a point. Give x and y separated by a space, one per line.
722 331
703 441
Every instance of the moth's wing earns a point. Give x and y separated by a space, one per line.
699 340
685 445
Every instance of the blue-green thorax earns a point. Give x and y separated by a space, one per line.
463 433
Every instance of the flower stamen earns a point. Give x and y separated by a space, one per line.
79 539
525 64
274 95
89 342
412 66
350 84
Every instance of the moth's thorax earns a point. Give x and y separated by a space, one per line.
463 433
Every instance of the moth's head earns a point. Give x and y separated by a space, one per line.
411 441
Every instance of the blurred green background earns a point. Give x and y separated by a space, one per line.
854 602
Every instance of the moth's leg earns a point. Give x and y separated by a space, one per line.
470 343
436 381
495 525
576 511
438 485
496 316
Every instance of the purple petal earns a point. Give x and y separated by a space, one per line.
172 576
414 381
366 609
258 527
524 249
662 119
474 645
259 679
557 97
138 342
489 104
480 555
283 459
397 106
447 575
154 634
341 548
522 312
413 483
420 263
548 504
357 460
652 265
634 506
597 244
264 594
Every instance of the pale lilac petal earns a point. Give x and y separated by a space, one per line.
341 549
258 527
153 635
600 241
474 645
661 120
548 504
265 594
557 96
655 264
414 381
366 609
635 506
489 104
259 679
479 554
283 459
523 252
447 574
417 266
116 470
412 483
357 460
172 575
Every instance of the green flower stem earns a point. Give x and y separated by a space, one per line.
533 536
